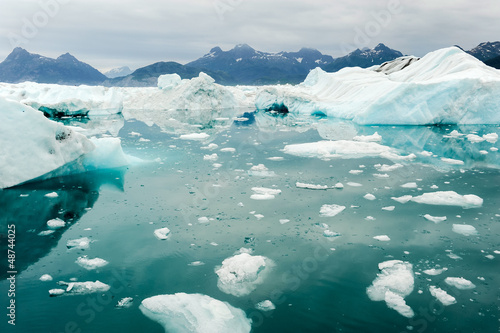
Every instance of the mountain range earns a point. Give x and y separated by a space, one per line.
240 65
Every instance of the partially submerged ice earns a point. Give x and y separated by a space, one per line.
394 282
195 313
447 86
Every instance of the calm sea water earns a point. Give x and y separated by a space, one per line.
318 283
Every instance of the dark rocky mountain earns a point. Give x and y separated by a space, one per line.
486 51
21 66
248 66
363 58
495 62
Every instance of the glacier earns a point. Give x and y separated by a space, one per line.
446 86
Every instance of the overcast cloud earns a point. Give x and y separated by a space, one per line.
114 33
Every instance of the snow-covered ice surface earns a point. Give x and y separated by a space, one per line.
195 313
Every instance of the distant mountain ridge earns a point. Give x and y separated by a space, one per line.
486 51
22 66
118 72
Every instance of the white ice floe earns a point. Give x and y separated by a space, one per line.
195 313
51 195
212 157
369 196
382 238
46 232
80 243
356 172
311 186
435 271
203 219
228 150
162 233
91 264
329 233
368 138
194 136
353 184
56 223
263 193
284 221
45 277
56 292
84 288
241 274
394 282
125 303
491 137
260 171
459 86
389 208
435 219
403 199
442 296
331 210
338 186
388 168
409 185
449 198
452 161
464 229
266 305
474 138
460 283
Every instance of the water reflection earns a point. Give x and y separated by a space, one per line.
29 208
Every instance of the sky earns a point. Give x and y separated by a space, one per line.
135 33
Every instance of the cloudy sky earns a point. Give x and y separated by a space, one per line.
135 33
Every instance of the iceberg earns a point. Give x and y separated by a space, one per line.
195 313
460 283
449 198
91 264
447 86
442 296
241 274
81 288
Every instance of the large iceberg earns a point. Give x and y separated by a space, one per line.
195 313
446 86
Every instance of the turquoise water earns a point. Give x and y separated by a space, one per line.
318 283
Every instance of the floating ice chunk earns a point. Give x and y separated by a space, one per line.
491 137
329 233
489 256
84 288
195 313
382 238
454 134
311 186
56 223
397 302
45 277
80 243
370 218
474 138
356 172
46 232
276 158
169 81
259 216
353 184
213 157
331 210
241 274
404 199
339 186
388 168
211 146
196 263
338 149
195 136
261 171
409 185
263 193
375 137
434 187
442 296
393 284
389 208
56 292
426 153
460 283
228 150
125 303
452 161
435 271
464 229
51 195
435 219
449 198
266 305
284 221
381 175
370 197
454 256
162 233
90 264
203 219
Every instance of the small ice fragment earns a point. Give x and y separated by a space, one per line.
356 172
212 157
409 185
276 158
339 186
125 303
51 195
263 193
434 187
311 186
404 199
474 138
435 271
196 263
489 256
331 210
460 283
284 221
259 216
442 296
352 184
454 256
452 161
195 136
240 204
46 232
449 198
491 137
203 219
214 244
435 219
211 146
84 288
381 175
266 305
56 292
90 264
80 243
162 233
382 238
464 229
329 233
261 171
370 197
56 223
389 208
228 150
370 218
375 137
45 277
